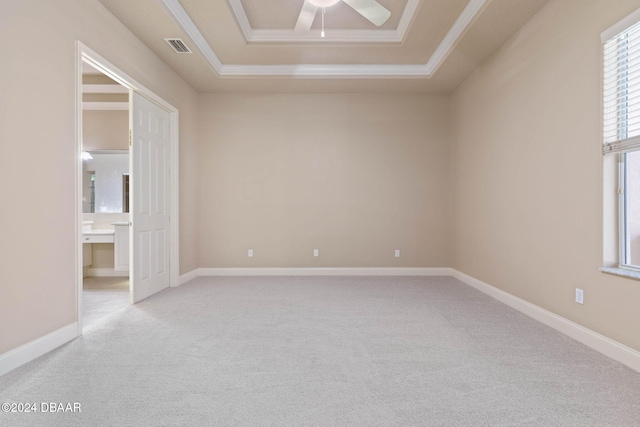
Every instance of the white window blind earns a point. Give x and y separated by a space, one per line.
622 92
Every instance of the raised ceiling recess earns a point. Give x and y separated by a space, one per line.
369 45
343 25
436 56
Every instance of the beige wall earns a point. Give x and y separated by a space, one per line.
528 170
105 130
355 176
38 154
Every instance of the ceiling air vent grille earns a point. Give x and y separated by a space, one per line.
178 45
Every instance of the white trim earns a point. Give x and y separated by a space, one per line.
106 272
180 16
602 344
80 269
36 348
184 21
101 64
174 194
373 271
464 21
406 18
620 26
333 36
111 88
106 106
327 71
188 276
632 273
623 241
241 18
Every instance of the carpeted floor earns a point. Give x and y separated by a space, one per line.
324 351
102 296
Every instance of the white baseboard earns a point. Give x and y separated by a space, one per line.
34 349
610 348
106 272
374 271
188 276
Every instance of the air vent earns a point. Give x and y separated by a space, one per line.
178 45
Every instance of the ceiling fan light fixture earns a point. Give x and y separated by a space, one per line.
323 3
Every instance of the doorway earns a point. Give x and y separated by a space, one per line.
137 246
105 195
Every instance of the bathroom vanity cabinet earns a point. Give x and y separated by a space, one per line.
118 236
121 248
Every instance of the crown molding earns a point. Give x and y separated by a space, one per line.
184 21
407 17
468 16
241 18
471 12
333 36
252 35
327 70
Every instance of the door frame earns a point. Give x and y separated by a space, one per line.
86 54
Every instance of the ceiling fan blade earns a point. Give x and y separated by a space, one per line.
307 15
370 9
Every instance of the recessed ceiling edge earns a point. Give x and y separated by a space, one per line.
470 13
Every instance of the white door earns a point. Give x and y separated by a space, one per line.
149 198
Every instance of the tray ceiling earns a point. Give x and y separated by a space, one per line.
251 45
270 22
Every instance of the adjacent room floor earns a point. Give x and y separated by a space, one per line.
103 296
324 351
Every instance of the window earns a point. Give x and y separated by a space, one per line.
621 107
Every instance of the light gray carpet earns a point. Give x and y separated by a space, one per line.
102 296
331 351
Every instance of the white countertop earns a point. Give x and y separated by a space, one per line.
97 232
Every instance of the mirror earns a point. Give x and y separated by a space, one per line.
105 182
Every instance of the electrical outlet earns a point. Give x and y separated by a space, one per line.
397 253
315 252
250 253
579 296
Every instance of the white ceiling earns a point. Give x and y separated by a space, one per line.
251 45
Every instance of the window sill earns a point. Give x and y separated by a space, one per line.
624 272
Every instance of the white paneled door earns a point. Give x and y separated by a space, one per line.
149 197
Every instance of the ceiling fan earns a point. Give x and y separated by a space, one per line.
370 9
